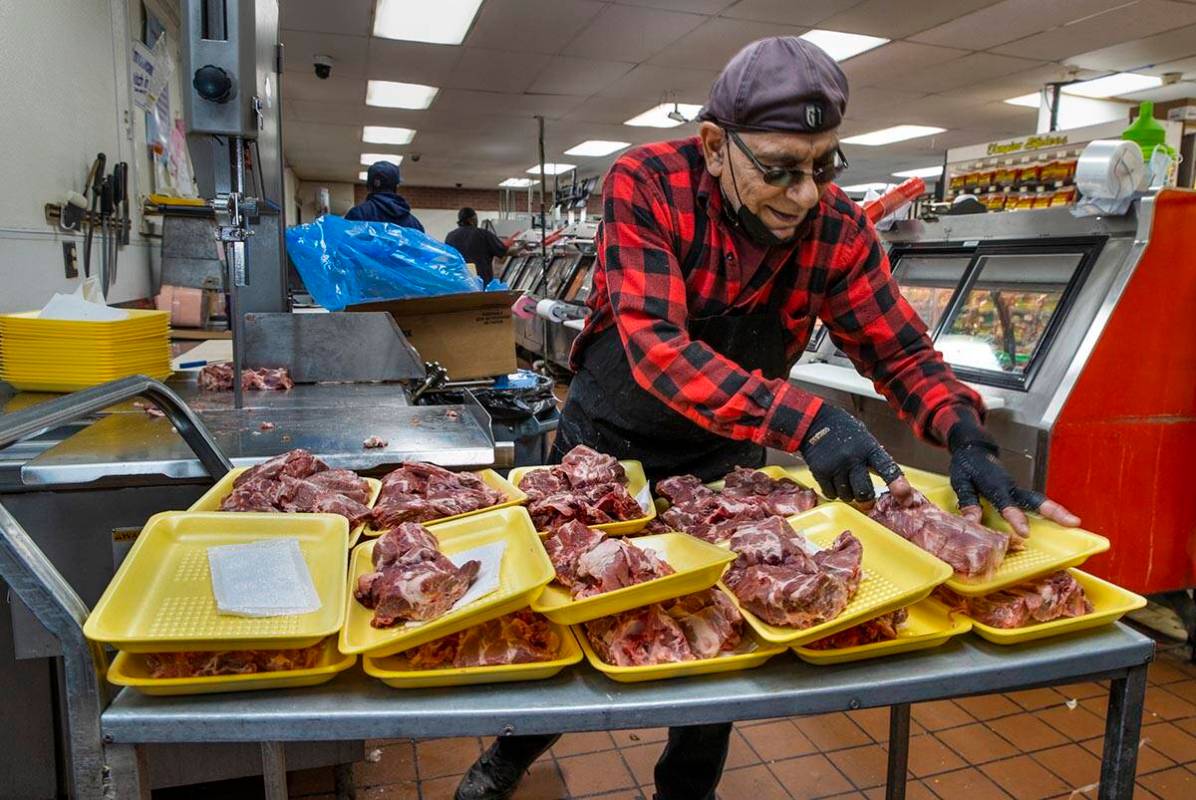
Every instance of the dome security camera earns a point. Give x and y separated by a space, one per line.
322 66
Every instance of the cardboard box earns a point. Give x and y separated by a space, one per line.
470 334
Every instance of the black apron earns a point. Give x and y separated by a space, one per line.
608 411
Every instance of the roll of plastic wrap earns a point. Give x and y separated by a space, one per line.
551 310
1110 169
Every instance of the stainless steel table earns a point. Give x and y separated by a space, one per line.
357 707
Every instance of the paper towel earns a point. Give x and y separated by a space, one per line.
85 304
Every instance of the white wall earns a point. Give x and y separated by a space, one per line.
290 188
67 98
340 197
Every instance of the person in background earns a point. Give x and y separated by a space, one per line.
383 204
477 246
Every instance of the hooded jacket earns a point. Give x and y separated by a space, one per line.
385 207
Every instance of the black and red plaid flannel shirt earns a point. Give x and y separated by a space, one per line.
837 272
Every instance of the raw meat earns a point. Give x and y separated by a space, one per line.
418 492
412 580
297 481
780 578
589 563
697 626
219 378
588 487
373 442
524 637
970 548
196 664
1054 596
266 426
747 495
646 635
879 629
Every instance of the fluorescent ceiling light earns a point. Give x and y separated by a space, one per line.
370 158
517 183
439 22
596 147
1028 100
897 133
1114 85
551 169
658 116
921 172
363 176
394 94
864 187
842 46
380 134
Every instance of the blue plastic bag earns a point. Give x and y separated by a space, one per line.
348 262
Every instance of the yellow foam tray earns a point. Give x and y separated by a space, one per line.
160 599
62 384
1109 604
1050 547
637 487
394 670
697 565
138 321
929 624
212 498
895 573
919 478
489 477
751 653
128 669
525 571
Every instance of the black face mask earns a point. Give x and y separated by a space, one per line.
750 223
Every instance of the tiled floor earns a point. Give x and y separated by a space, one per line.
1044 743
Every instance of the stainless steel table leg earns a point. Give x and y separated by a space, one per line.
127 772
1123 725
898 751
274 770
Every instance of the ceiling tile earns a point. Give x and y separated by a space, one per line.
650 82
412 62
580 76
348 52
1009 20
496 70
692 6
1144 18
896 19
712 44
1020 83
538 26
337 89
318 111
608 110
1184 66
957 73
865 102
789 12
1141 53
504 104
624 33
1183 90
353 17
894 60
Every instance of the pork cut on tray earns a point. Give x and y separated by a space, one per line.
786 581
203 664
971 549
587 487
297 481
523 637
412 579
419 492
879 629
697 626
589 562
747 495
1054 596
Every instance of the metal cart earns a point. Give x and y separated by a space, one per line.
107 734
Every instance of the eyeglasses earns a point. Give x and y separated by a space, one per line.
783 177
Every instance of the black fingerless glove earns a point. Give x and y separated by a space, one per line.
839 450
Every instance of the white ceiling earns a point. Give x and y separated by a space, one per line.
588 65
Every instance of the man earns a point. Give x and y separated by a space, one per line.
383 204
477 246
715 257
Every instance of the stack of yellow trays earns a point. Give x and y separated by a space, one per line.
51 355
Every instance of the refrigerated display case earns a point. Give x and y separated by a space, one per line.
1078 334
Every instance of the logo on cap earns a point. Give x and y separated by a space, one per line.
813 116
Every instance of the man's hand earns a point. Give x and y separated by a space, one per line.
839 450
976 472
